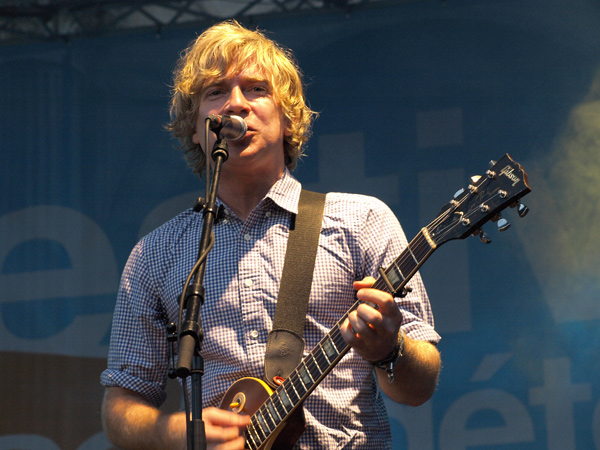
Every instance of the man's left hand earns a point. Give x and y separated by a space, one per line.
372 332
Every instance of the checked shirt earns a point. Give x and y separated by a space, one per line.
359 234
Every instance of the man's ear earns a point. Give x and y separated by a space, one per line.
287 132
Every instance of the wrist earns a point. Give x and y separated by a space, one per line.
393 358
172 429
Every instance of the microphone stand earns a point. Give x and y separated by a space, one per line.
189 361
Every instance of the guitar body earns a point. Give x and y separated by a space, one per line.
247 395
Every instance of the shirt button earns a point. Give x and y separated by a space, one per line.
268 214
247 237
248 282
254 334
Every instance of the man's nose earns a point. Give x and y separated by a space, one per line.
237 101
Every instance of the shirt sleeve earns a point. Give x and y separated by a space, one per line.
138 352
382 241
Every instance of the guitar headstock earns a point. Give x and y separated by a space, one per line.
501 186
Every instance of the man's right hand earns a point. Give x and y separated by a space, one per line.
223 429
131 423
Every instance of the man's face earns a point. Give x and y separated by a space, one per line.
249 95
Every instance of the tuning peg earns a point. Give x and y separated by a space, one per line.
503 224
522 210
459 192
483 237
475 178
492 163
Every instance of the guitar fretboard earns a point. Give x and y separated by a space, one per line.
296 387
326 354
407 264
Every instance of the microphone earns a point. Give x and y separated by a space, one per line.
232 128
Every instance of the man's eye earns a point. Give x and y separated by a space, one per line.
213 91
259 89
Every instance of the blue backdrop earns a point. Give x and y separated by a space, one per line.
414 99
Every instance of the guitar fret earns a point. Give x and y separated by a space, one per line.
269 419
422 248
338 340
258 430
299 384
321 364
397 275
416 261
307 381
250 439
295 392
299 378
262 423
408 263
324 354
333 336
279 408
273 411
286 401
329 348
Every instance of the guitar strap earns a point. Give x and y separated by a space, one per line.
285 344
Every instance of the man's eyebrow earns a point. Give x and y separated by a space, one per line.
251 79
213 83
222 81
257 79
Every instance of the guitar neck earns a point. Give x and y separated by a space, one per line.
328 352
395 277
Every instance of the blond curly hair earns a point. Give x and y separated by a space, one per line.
228 47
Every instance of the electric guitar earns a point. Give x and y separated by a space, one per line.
273 410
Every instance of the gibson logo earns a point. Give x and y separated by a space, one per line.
508 171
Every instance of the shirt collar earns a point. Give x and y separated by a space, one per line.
285 193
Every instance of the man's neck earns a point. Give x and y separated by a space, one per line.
243 194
